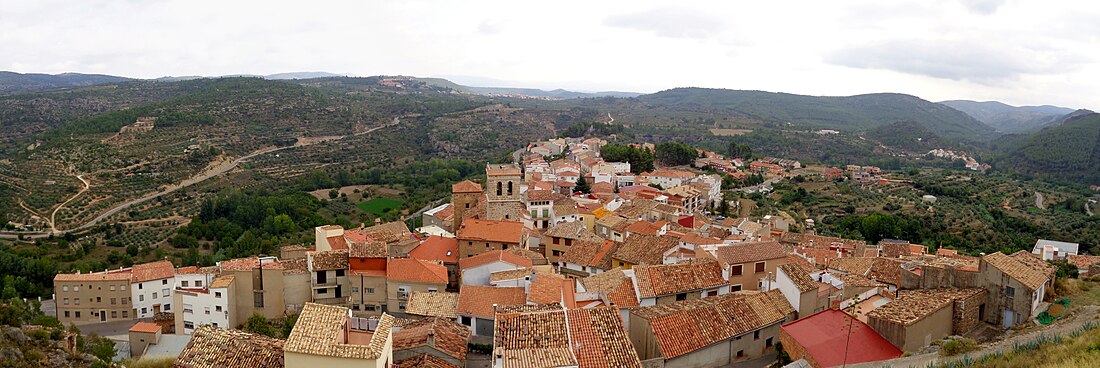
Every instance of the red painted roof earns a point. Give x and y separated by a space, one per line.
491 231
823 336
414 270
145 327
493 256
437 248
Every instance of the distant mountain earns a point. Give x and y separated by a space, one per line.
1007 118
557 93
850 113
1069 150
302 75
11 82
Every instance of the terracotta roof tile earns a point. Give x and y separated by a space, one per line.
912 306
415 270
437 248
432 304
553 288
99 276
328 260
318 327
424 361
590 253
368 249
657 280
478 301
450 337
1036 263
493 256
644 249
153 271
491 231
740 253
587 338
506 275
466 186
535 257
572 230
221 282
145 327
614 286
684 327
799 276
1082 261
853 265
212 347
1020 271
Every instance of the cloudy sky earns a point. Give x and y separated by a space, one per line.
1016 51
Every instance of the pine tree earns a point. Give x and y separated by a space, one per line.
582 186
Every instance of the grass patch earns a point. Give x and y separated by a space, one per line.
958 346
379 206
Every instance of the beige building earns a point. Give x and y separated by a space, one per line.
918 317
406 275
267 286
92 297
328 276
328 336
749 266
480 236
141 335
503 193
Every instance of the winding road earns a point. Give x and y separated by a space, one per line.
1039 201
198 178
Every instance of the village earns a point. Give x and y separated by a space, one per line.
565 260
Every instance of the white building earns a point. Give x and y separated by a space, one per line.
1050 250
205 306
151 287
477 270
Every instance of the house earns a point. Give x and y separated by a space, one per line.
539 204
833 338
664 284
749 265
582 338
611 226
406 275
1015 287
479 236
141 335
709 332
220 347
668 178
477 269
562 236
206 305
615 288
443 250
438 337
800 289
586 258
432 304
476 305
441 216
1049 250
367 263
552 288
267 285
918 317
328 276
92 297
328 336
520 277
1082 262
642 250
151 287
885 270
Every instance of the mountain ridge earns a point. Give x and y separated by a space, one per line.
1006 118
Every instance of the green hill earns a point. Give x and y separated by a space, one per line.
850 113
1069 151
906 135
11 82
1008 118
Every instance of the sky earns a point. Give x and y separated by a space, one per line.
1014 51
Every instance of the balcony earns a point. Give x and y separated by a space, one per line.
331 301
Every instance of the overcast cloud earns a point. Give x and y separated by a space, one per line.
1020 52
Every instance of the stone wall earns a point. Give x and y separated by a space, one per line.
933 277
966 310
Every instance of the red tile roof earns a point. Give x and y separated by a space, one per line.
657 280
212 347
683 327
553 288
424 361
590 254
832 338
450 337
493 256
125 276
644 249
478 301
145 327
614 286
466 186
437 248
586 338
415 270
153 271
338 242
491 231
739 253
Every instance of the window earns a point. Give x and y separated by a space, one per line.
768 342
403 292
141 297
756 335
112 288
759 267
370 308
125 314
76 301
154 295
167 307
500 188
164 282
509 188
711 293
125 301
355 307
369 290
112 301
355 289
736 270
258 299
114 314
557 240
322 291
66 301
681 296
740 354
735 287
185 283
77 314
322 277
65 288
432 290
206 310
122 287
217 308
144 310
140 287
339 273
217 294
1010 292
188 325
99 299
215 324
568 242
66 314
198 283
465 320
76 288
165 292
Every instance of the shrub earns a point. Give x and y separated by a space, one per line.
958 346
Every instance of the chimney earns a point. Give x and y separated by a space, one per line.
431 338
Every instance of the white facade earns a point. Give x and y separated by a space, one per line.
480 275
194 280
203 307
787 287
150 297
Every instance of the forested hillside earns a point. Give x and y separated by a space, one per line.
1070 151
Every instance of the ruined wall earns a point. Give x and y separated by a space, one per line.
966 313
